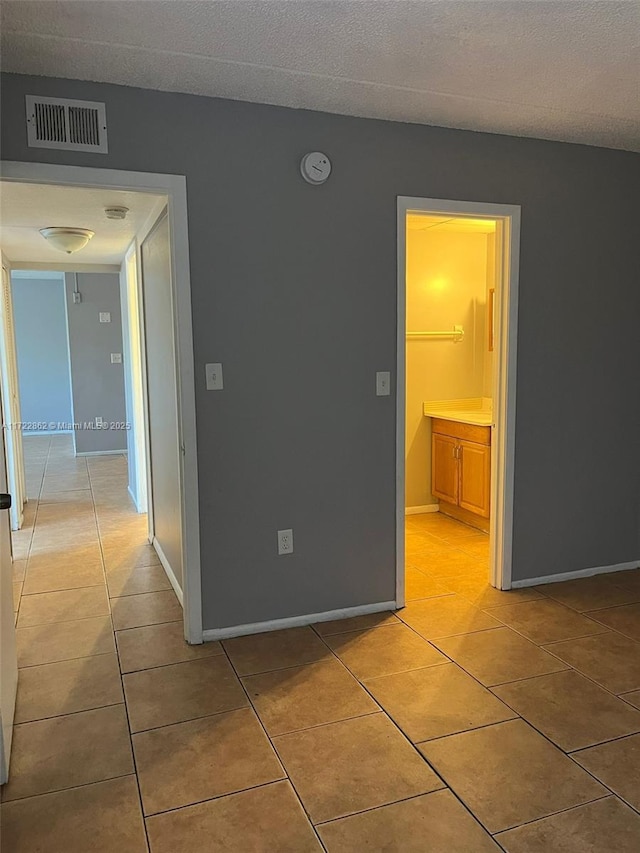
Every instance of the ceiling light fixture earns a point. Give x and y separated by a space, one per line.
67 240
116 212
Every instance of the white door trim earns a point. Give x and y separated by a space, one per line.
504 379
174 188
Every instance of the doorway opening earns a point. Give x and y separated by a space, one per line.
145 257
457 315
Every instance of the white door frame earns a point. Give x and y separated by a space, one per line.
504 377
175 189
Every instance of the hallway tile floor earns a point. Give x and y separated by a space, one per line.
471 721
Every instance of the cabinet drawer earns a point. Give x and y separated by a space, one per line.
468 432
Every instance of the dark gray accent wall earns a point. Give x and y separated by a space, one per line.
294 290
97 384
43 353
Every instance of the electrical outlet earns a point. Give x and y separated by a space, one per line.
383 383
116 358
99 422
213 375
285 541
105 316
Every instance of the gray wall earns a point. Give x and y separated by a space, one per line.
294 289
43 351
97 385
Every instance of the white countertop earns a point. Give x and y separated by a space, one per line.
476 410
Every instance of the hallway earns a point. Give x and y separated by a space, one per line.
524 704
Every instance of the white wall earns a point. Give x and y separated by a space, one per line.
446 286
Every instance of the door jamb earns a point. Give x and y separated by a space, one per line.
175 189
504 378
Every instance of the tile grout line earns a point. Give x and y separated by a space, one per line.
117 652
273 747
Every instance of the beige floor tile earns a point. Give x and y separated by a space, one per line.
444 617
275 650
189 762
624 619
64 641
121 556
601 827
610 659
592 593
182 691
299 697
263 820
617 765
353 765
67 558
17 592
102 818
355 623
545 622
633 698
135 581
570 710
497 656
64 752
419 585
449 564
437 701
19 569
435 822
535 778
64 606
54 689
477 591
383 651
42 577
148 608
628 579
158 645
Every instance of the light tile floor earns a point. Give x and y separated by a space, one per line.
473 720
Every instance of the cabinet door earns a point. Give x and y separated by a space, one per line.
475 477
444 468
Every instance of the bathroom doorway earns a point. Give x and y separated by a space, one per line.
457 314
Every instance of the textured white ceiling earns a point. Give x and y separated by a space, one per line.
555 69
25 208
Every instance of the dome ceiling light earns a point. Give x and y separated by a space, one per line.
67 240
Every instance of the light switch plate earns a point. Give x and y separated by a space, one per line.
383 383
213 373
105 316
116 358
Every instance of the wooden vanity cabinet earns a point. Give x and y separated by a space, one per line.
461 469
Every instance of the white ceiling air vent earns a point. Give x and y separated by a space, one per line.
65 124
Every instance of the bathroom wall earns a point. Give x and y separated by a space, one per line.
446 286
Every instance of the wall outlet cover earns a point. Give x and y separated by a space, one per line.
105 316
285 542
116 358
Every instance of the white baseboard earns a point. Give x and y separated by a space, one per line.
102 452
135 502
418 510
28 432
295 621
579 573
168 570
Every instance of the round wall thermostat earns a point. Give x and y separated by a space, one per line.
315 167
